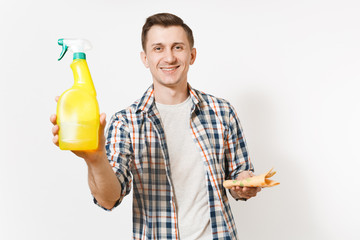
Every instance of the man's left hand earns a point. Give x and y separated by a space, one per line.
244 192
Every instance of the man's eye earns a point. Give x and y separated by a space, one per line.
157 49
178 47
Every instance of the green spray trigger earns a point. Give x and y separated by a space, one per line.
64 48
76 45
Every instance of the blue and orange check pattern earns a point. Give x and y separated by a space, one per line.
136 149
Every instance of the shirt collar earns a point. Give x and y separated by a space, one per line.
147 101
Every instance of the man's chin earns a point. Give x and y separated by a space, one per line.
169 83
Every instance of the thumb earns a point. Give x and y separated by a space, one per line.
102 122
102 119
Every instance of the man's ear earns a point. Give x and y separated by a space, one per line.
144 59
193 56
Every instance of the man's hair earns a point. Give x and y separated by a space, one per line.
165 20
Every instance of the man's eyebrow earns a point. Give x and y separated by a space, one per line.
156 44
161 44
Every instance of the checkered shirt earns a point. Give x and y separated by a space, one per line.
137 151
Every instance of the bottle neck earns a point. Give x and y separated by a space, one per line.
82 77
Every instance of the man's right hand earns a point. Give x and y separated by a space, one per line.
90 156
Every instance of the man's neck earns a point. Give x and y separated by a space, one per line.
171 95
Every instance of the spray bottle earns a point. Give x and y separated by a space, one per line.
77 108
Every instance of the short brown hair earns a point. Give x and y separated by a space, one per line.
165 20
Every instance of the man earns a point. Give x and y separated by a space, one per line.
175 145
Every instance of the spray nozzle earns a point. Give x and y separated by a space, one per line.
77 46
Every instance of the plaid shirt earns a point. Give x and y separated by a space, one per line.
137 150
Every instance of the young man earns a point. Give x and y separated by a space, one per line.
175 146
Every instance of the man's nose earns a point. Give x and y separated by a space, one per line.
169 56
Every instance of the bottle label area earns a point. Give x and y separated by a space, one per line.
78 135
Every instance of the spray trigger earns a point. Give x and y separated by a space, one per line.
64 48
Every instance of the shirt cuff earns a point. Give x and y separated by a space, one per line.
108 210
242 199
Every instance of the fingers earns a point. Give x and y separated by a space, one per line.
53 119
56 140
55 130
237 188
251 190
246 192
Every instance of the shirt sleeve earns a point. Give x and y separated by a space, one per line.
236 153
120 154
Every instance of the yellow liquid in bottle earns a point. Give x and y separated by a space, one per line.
78 112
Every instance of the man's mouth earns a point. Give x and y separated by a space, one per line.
169 69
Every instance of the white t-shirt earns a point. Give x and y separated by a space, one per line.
187 174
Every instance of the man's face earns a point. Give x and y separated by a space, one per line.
168 55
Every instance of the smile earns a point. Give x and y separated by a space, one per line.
168 69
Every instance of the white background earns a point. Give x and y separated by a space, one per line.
290 68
